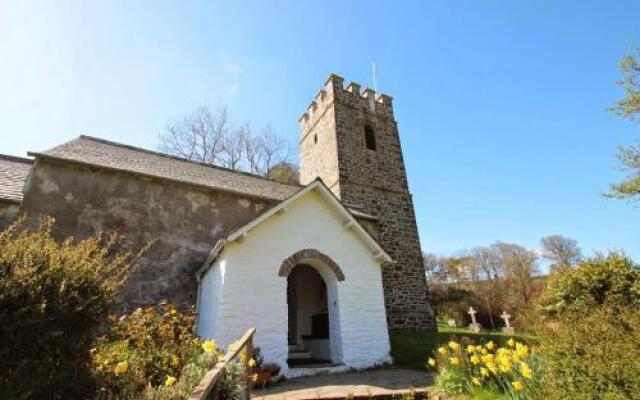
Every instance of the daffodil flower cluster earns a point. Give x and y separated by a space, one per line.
511 369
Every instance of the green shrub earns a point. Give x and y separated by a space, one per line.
613 279
591 343
53 297
594 355
153 354
145 348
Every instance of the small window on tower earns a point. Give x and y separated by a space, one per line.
315 138
369 137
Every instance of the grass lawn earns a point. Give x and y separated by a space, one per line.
410 349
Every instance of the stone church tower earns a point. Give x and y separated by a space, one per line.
350 140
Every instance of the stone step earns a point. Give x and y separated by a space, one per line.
294 347
299 354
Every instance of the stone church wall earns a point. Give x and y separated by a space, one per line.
183 221
8 211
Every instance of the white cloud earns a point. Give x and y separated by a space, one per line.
233 89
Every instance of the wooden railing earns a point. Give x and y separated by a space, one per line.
208 382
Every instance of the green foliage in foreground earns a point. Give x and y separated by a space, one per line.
592 343
53 296
144 348
153 354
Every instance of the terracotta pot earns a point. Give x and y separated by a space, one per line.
260 378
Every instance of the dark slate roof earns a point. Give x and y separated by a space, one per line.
103 153
13 173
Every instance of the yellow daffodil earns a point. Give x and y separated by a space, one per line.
175 360
475 359
442 351
522 350
121 367
170 381
476 381
511 342
454 345
252 363
431 362
208 346
488 358
526 371
504 368
484 371
471 349
454 361
479 348
490 345
517 385
484 351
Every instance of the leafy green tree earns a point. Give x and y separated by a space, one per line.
629 108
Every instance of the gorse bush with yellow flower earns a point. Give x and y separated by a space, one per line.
466 368
144 348
153 354
53 298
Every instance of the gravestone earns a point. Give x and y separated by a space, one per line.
507 329
451 322
474 326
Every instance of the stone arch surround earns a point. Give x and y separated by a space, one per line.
310 255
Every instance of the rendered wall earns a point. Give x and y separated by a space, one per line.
254 294
182 222
8 211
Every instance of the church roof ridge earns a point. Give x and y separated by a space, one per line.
93 151
178 158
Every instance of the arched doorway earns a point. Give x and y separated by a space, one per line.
312 304
308 333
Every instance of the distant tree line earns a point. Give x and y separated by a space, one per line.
495 278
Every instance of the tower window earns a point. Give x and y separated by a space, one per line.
369 137
315 138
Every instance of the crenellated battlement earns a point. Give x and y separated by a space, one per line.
352 95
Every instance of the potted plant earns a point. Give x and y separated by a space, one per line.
262 373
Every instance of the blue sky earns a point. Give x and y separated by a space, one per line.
501 105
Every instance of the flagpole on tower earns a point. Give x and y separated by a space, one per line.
375 80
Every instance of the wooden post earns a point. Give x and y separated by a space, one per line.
207 383
249 350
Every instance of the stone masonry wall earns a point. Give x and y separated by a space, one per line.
183 221
372 180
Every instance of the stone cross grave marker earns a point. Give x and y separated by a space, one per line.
474 325
508 329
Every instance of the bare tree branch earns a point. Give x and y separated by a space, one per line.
210 136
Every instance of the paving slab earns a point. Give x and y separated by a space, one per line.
386 382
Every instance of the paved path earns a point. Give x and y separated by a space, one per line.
352 385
